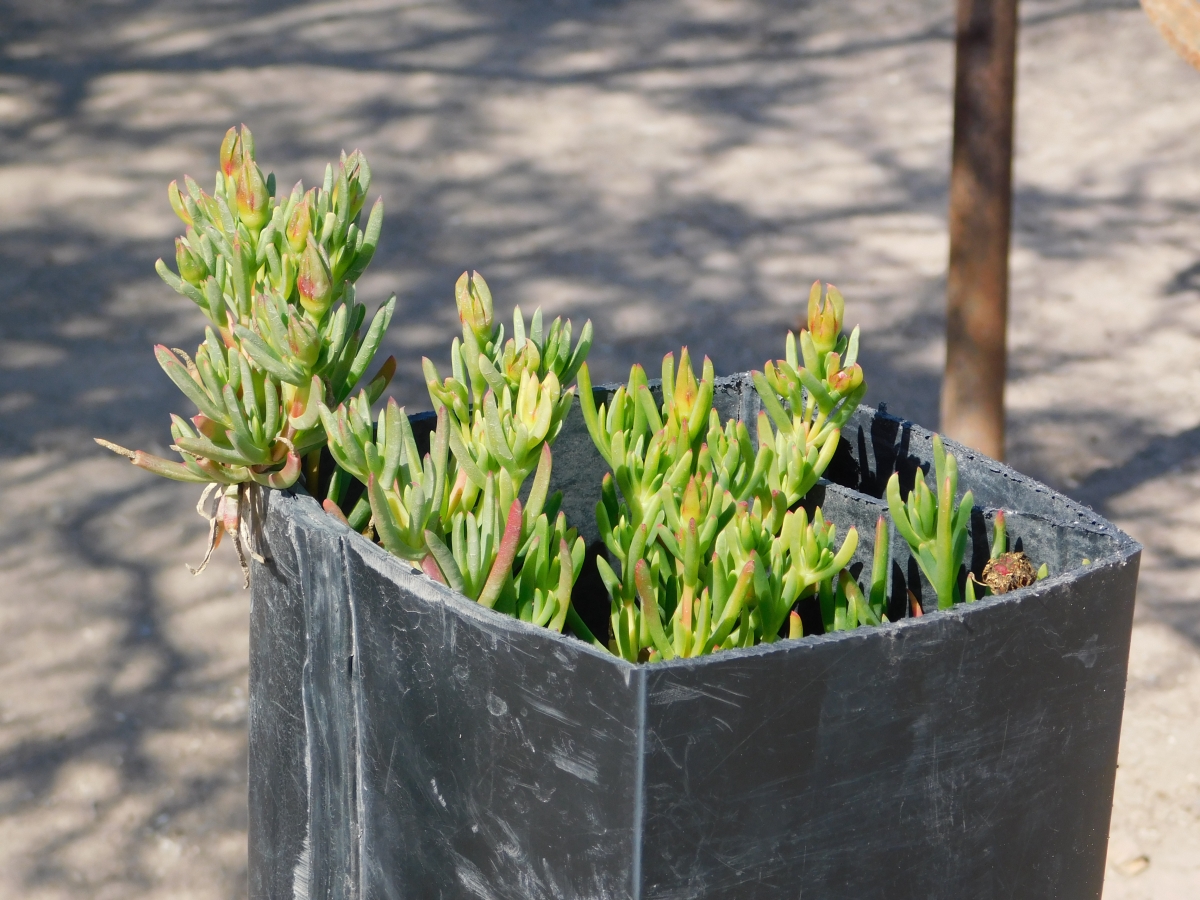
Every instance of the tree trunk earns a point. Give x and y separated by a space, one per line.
980 216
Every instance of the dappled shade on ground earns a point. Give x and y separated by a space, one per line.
679 172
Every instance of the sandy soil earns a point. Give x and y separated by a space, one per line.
679 172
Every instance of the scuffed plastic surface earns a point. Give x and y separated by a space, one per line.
407 743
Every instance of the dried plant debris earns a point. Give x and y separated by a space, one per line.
1008 572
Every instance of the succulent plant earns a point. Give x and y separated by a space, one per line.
384 458
646 446
935 526
505 399
456 512
877 594
702 520
710 553
275 278
844 606
822 386
708 546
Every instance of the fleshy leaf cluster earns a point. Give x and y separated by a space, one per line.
707 545
456 511
275 279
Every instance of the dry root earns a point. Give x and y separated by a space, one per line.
239 510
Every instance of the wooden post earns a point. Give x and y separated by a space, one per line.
980 216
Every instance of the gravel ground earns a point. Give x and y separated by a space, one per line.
678 172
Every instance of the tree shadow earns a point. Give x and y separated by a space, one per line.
681 258
120 725
1159 457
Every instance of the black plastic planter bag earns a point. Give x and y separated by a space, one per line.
408 743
